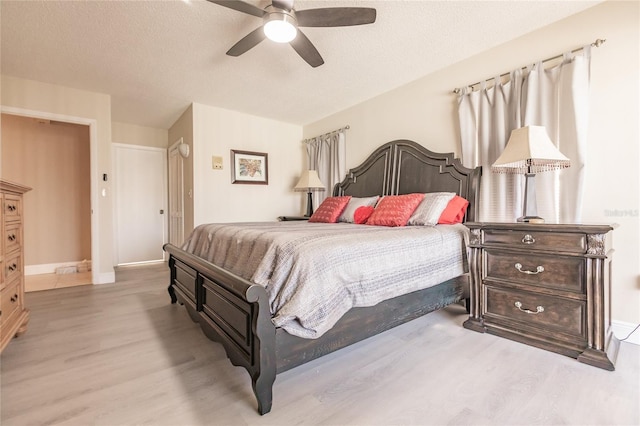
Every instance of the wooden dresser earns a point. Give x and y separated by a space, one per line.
545 285
13 314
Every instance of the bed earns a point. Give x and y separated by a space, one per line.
237 313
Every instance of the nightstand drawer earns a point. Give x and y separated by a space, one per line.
537 240
549 314
558 272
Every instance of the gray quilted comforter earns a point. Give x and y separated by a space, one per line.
316 272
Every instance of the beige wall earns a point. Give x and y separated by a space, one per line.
28 95
217 131
425 111
139 135
53 159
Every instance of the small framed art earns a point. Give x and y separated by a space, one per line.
249 167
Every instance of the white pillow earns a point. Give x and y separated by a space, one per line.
429 210
352 206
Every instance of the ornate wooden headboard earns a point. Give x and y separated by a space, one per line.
404 167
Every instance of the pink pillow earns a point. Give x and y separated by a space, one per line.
330 209
394 210
454 212
361 214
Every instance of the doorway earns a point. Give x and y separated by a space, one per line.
53 158
98 276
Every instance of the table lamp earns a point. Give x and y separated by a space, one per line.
530 151
309 182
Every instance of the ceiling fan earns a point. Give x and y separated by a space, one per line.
281 23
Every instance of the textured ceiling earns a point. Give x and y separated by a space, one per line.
156 57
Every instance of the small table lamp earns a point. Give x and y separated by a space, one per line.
530 151
309 181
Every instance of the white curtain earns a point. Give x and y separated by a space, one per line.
327 155
556 98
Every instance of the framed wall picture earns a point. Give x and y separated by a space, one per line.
249 167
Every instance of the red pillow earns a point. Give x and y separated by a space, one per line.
394 210
454 212
330 209
362 213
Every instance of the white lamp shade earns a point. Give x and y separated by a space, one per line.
529 150
309 181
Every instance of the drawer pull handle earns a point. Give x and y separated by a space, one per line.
537 271
11 207
12 267
14 298
528 239
12 237
528 311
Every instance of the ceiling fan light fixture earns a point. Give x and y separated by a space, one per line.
280 27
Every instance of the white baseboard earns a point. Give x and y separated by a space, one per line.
622 329
104 277
48 268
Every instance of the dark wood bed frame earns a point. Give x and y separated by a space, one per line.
235 312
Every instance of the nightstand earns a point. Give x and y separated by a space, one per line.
288 218
545 285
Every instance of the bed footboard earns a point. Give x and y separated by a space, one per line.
230 310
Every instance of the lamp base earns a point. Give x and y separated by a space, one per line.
530 219
529 207
309 204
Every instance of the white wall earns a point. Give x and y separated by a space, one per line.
215 132
425 111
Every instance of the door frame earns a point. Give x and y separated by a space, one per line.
165 232
97 277
174 148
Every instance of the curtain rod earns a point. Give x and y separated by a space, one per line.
596 43
347 127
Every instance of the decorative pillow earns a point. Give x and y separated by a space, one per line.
430 209
362 213
330 209
354 203
454 212
394 210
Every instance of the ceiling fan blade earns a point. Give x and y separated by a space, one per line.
248 42
336 17
306 50
283 4
240 6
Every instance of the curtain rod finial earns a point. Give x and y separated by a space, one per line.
599 42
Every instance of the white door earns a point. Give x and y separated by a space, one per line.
140 203
176 199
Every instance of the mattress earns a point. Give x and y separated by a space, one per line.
315 272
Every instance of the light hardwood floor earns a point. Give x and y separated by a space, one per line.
50 281
121 354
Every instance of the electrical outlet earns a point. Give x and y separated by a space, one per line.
216 163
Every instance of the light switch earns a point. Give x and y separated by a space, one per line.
216 162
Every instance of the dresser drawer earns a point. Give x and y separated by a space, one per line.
537 240
12 207
12 237
12 267
9 303
542 270
551 316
